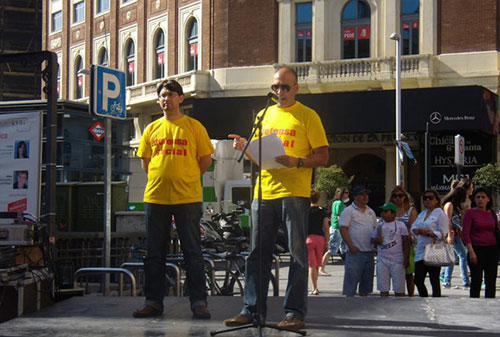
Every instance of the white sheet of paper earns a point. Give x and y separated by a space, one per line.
272 146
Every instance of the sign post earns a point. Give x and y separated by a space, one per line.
459 153
107 99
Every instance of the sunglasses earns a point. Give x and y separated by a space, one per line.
428 197
283 87
399 196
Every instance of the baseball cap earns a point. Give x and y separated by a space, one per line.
389 206
360 189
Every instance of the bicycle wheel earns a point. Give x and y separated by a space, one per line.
224 282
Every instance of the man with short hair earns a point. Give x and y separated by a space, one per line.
175 151
357 223
285 199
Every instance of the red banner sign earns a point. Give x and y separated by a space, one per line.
131 67
193 49
349 33
160 59
364 33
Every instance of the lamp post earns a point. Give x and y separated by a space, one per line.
397 37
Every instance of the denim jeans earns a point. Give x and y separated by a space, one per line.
336 242
358 269
461 252
158 226
293 212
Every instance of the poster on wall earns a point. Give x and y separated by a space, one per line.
20 164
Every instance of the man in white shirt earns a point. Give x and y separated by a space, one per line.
357 223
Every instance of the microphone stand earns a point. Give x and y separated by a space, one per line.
257 317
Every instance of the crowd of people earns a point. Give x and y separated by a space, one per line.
463 218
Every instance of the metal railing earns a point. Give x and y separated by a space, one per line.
172 266
104 270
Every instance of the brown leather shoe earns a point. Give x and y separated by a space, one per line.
201 312
291 323
147 311
238 320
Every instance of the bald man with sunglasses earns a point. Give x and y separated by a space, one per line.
285 200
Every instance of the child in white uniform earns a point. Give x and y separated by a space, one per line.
393 247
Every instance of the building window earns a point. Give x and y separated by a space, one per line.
409 26
192 45
159 61
56 21
102 6
102 57
303 31
79 12
78 77
130 62
356 30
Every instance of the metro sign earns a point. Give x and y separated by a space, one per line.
108 96
97 130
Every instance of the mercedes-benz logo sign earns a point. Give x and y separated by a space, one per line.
435 117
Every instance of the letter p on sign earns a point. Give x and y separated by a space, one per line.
108 96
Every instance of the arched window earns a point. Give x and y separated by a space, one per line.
159 53
102 57
303 31
78 77
192 45
130 62
356 30
409 26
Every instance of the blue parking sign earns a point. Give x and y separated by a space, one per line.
108 95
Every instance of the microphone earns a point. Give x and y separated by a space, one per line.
273 97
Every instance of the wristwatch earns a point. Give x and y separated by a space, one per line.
300 163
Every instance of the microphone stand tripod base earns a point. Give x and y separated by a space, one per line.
257 323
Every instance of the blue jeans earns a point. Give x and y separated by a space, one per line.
158 227
461 252
358 269
336 242
293 212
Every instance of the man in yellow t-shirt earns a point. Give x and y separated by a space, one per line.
285 200
175 151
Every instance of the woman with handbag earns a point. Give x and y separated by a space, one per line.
453 202
479 226
431 224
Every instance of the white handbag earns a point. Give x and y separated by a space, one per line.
439 254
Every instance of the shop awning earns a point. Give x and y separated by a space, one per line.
446 109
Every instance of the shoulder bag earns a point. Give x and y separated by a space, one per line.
439 254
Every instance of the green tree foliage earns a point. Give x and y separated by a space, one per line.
487 176
329 178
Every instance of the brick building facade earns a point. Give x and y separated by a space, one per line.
224 53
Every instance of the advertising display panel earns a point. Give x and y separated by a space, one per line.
20 162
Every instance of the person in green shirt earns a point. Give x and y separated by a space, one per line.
336 243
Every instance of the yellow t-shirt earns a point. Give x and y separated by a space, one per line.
300 130
174 148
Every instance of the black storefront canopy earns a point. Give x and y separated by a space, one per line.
466 108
